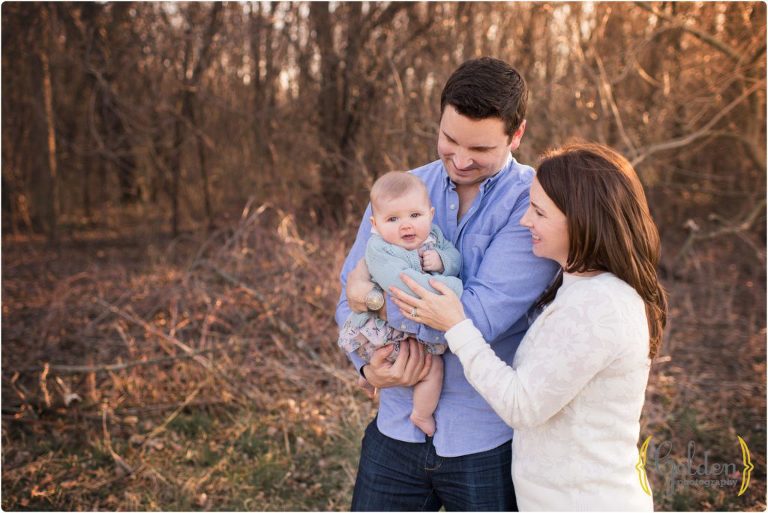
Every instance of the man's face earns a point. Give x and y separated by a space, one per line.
474 149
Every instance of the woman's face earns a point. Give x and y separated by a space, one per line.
548 225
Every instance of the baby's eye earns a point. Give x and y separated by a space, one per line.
391 219
416 214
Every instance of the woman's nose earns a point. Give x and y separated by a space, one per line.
525 220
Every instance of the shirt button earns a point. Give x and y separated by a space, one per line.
453 207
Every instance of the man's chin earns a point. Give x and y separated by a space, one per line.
465 178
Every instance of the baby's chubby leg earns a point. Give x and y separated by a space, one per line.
426 394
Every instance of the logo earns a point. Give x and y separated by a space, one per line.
687 474
748 466
641 466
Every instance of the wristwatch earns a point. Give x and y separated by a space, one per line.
374 300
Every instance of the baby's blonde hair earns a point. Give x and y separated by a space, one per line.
394 184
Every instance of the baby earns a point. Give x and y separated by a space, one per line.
404 240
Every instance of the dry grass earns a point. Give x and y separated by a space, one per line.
710 384
195 375
202 373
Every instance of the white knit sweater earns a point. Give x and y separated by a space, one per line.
573 395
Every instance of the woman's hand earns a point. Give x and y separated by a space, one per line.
439 311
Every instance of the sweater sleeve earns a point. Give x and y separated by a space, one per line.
575 341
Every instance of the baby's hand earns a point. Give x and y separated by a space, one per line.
431 261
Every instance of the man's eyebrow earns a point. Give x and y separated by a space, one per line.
476 147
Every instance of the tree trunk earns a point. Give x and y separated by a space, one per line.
53 207
332 187
203 172
186 111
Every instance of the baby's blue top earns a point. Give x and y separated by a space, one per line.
386 261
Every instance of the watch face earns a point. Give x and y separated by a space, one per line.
374 300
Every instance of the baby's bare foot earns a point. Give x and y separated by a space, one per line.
425 423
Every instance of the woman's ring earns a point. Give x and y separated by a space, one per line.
414 313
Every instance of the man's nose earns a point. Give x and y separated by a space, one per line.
462 160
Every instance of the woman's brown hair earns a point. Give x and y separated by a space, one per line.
609 225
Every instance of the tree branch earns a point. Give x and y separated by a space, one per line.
701 132
755 154
84 369
699 34
738 229
608 92
238 391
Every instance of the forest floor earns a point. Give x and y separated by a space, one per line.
201 373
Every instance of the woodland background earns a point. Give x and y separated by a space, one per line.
181 182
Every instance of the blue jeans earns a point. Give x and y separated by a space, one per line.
402 476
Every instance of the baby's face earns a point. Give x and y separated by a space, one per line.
404 221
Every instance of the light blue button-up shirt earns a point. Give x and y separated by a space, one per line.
502 278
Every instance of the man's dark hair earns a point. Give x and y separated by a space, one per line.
487 88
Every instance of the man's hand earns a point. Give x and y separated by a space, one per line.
431 261
368 389
411 366
358 285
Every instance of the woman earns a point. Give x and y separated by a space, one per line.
576 389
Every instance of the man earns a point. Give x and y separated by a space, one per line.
479 193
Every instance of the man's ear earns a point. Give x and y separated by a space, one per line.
517 136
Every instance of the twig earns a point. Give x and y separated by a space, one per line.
84 369
249 394
699 34
736 229
162 427
608 92
275 322
192 485
234 281
167 480
108 442
701 132
123 415
154 408
44 385
23 393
